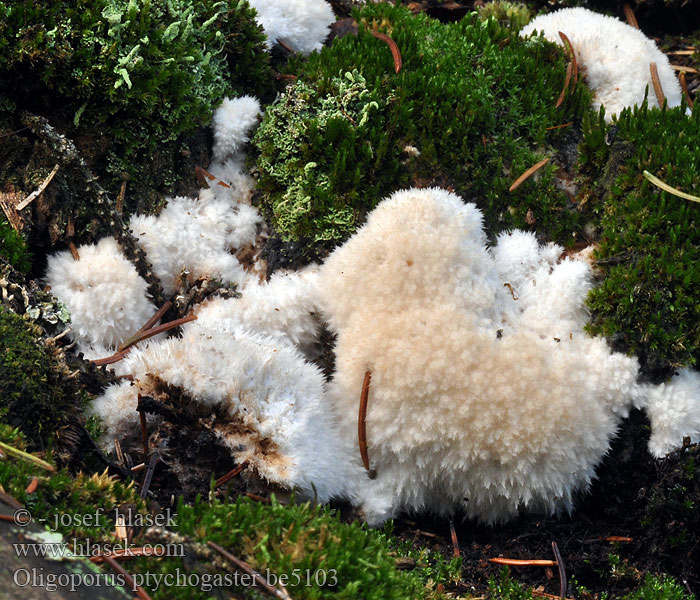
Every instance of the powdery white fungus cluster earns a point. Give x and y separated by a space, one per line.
614 58
477 399
303 25
196 236
106 297
269 403
282 308
190 238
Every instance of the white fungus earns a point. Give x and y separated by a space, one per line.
197 238
232 123
477 399
106 297
269 404
613 57
303 25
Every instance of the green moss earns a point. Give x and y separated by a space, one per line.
472 98
649 250
660 588
321 556
35 394
60 494
127 78
13 248
511 14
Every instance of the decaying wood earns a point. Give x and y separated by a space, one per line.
37 192
104 206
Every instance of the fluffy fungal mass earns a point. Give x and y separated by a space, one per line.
481 397
613 57
303 25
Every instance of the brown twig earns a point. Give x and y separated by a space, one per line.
574 62
395 53
618 538
527 174
10 501
129 580
144 431
257 498
37 192
119 205
231 474
16 519
455 542
277 592
658 90
566 85
361 422
516 562
118 451
629 15
285 46
562 570
149 474
144 334
73 251
684 87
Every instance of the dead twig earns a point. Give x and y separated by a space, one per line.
144 431
527 174
361 422
629 15
562 570
395 53
138 590
618 538
38 191
658 90
231 474
155 318
73 251
118 451
277 592
512 291
574 62
147 478
566 85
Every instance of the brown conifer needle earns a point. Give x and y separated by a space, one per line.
566 86
658 90
361 425
157 317
395 53
128 579
684 87
455 542
567 41
528 173
629 15
516 562
241 565
144 335
562 570
231 474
